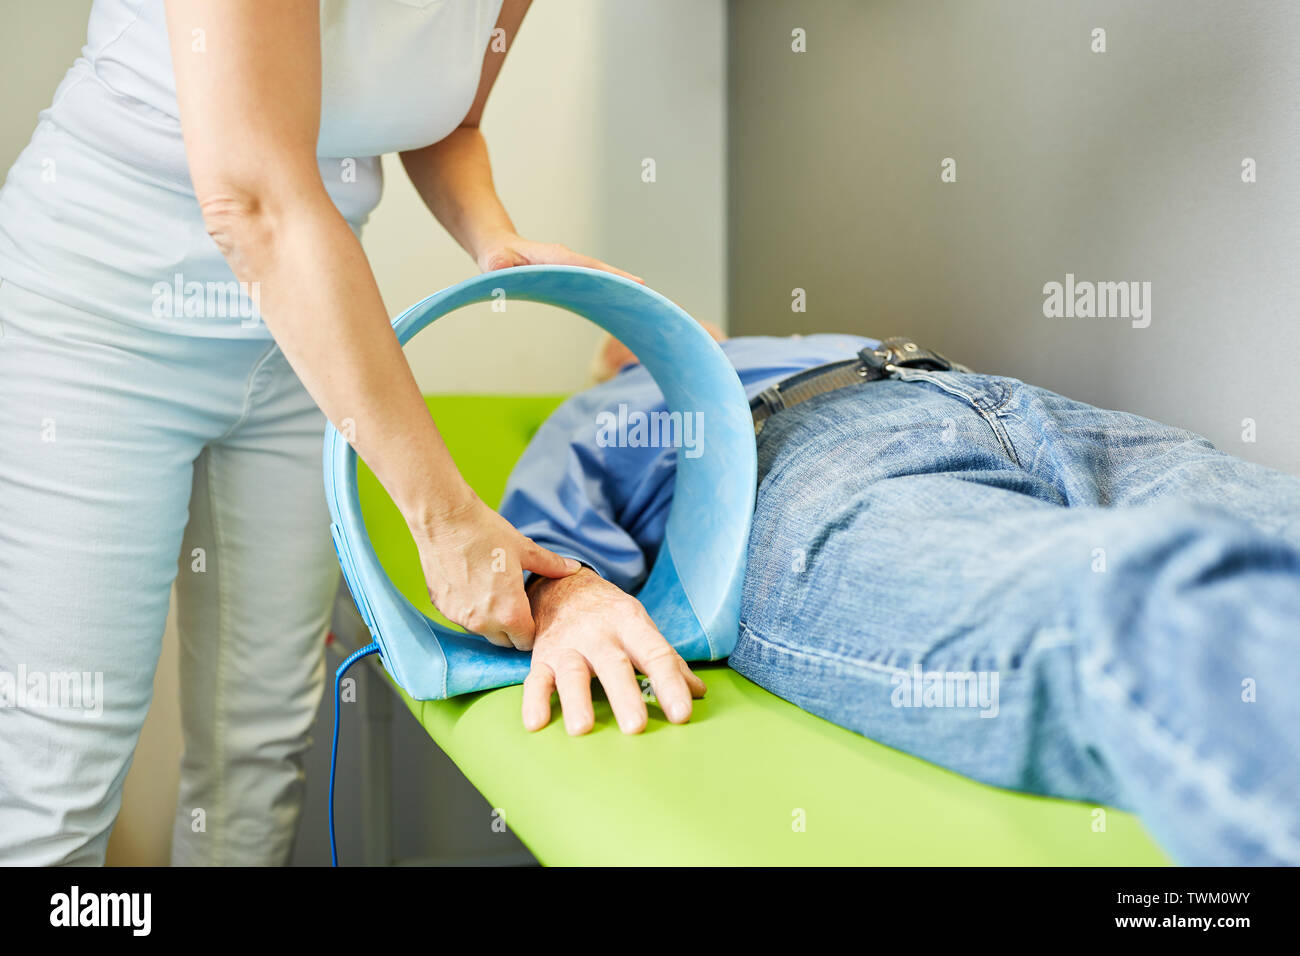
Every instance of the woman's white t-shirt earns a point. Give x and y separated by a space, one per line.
99 212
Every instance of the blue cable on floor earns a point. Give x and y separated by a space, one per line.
371 648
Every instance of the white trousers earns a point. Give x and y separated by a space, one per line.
123 450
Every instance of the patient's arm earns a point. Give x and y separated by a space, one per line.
586 626
604 505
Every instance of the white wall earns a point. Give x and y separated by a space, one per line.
590 90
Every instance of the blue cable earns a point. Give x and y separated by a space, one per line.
371 648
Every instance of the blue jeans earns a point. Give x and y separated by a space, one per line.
1041 595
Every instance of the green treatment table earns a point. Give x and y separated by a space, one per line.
750 780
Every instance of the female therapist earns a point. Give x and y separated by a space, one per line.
146 412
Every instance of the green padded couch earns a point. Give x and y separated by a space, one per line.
750 780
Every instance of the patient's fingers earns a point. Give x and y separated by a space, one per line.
693 680
674 684
669 685
538 687
619 680
573 681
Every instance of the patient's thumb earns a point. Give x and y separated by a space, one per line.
548 563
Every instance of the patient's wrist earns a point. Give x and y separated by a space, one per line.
543 589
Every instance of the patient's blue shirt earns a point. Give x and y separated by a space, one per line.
606 503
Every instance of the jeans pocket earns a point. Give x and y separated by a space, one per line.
986 395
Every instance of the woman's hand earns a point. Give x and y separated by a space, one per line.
586 626
512 250
473 561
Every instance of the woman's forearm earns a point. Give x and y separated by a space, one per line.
454 175
263 201
259 73
454 178
319 299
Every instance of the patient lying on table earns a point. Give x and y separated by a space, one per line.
1033 592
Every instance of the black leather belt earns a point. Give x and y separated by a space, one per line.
890 356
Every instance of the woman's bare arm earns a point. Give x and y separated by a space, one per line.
454 178
249 99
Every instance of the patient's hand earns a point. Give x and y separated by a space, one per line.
586 626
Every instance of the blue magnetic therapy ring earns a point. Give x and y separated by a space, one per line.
693 591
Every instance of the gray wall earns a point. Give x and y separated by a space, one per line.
38 42
1123 165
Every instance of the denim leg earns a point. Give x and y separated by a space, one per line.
905 538
1113 458
1189 654
1200 667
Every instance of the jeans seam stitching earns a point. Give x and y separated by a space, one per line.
1169 744
218 730
250 386
822 655
986 411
